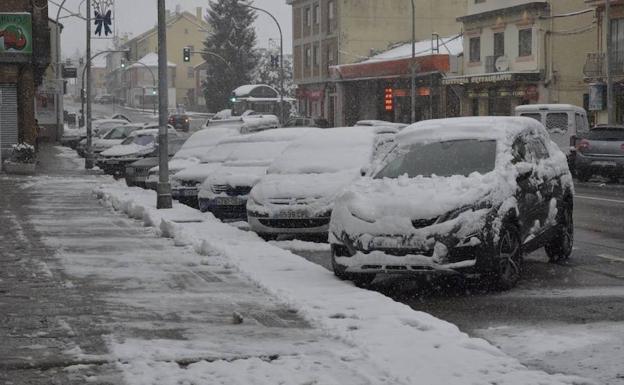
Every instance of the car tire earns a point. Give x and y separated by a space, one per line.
507 258
560 247
358 279
268 236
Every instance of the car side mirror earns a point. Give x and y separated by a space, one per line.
364 171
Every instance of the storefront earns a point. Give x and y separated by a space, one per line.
496 94
24 57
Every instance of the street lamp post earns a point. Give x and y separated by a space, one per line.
413 65
89 157
163 200
279 27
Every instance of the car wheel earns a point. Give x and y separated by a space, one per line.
560 247
359 279
508 258
268 236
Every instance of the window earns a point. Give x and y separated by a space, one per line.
308 57
330 55
519 151
317 14
557 122
538 148
308 17
475 49
499 43
617 42
190 73
331 10
533 115
525 42
315 55
186 31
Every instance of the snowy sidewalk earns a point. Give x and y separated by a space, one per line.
216 305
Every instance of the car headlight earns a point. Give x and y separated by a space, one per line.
254 201
449 216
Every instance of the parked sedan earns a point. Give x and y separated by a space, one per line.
297 194
225 191
463 195
136 173
114 137
600 152
139 144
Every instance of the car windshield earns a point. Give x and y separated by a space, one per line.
141 140
448 158
606 133
117 133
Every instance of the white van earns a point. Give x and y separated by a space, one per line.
564 122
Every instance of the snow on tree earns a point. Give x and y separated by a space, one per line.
233 38
269 73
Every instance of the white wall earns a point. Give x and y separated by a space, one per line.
490 5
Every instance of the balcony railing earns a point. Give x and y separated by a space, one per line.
596 64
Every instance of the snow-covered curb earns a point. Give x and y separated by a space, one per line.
413 347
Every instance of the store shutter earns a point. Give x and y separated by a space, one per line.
8 117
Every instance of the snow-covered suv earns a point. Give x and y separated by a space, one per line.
467 195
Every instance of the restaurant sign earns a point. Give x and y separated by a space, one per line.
16 33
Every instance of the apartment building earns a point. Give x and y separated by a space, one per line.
519 52
328 33
184 29
595 68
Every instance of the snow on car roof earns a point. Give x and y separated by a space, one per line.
488 127
327 151
549 107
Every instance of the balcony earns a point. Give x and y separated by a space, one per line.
596 65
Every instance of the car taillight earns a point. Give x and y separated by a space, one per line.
583 145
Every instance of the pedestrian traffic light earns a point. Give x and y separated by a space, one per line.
186 54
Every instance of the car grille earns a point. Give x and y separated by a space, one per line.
290 201
189 183
141 171
421 223
230 212
294 223
231 191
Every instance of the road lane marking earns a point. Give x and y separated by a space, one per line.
611 257
599 199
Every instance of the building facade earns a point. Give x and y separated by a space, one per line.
595 69
184 29
47 98
520 52
141 83
334 32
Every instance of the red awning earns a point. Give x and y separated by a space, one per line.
390 68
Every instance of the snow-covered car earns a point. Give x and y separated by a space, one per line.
137 172
246 124
297 194
139 144
194 149
460 195
114 137
225 192
380 123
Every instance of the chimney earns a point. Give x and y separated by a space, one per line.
198 14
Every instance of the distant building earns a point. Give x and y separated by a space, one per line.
335 32
183 30
46 97
595 68
141 82
520 51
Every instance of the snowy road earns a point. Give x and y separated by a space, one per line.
565 318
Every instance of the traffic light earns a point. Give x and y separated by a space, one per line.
274 61
186 54
123 63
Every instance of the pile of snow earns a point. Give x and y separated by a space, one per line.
452 45
411 346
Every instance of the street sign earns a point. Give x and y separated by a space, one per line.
70 72
16 34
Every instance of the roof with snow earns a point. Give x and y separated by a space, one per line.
431 56
256 91
150 60
489 127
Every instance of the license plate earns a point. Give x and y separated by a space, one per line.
229 201
292 215
604 164
112 162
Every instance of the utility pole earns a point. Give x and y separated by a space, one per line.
610 109
59 81
413 65
163 190
89 157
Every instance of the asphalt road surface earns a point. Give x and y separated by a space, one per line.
562 317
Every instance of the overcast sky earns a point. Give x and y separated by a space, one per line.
136 16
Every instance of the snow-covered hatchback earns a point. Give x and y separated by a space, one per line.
461 195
